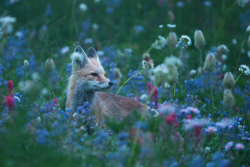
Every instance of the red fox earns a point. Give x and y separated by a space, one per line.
87 79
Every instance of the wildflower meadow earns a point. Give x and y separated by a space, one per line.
133 83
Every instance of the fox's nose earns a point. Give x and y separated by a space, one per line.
110 83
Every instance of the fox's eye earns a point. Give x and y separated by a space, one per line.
94 74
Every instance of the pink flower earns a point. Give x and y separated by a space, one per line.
189 117
155 93
171 120
239 146
236 109
10 86
9 102
229 145
55 101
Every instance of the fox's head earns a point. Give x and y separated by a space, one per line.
88 71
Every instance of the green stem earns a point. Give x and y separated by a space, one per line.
178 66
129 79
149 49
239 77
201 70
242 44
71 21
231 7
211 87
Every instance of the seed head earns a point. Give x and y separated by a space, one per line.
49 65
210 62
172 76
199 40
228 80
160 75
228 99
207 150
172 39
146 56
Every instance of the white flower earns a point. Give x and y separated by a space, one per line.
173 60
242 3
64 50
225 123
159 44
26 63
144 97
95 26
234 41
171 25
248 28
96 1
207 150
147 65
245 69
192 72
184 41
224 57
7 20
44 91
190 124
222 48
16 98
38 119
83 7
211 129
36 76
160 26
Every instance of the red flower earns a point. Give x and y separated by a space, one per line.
10 86
189 117
155 93
236 109
198 131
222 76
171 119
9 102
55 101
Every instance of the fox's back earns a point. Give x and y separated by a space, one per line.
115 106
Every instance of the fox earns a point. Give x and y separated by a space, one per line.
86 84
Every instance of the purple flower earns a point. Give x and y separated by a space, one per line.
229 145
239 146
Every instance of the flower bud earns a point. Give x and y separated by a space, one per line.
210 62
228 80
172 39
146 56
228 99
207 150
199 40
49 65
172 76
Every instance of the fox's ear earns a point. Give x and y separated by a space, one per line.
79 58
91 53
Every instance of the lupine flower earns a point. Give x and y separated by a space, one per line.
239 146
229 145
244 69
211 129
10 86
184 41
